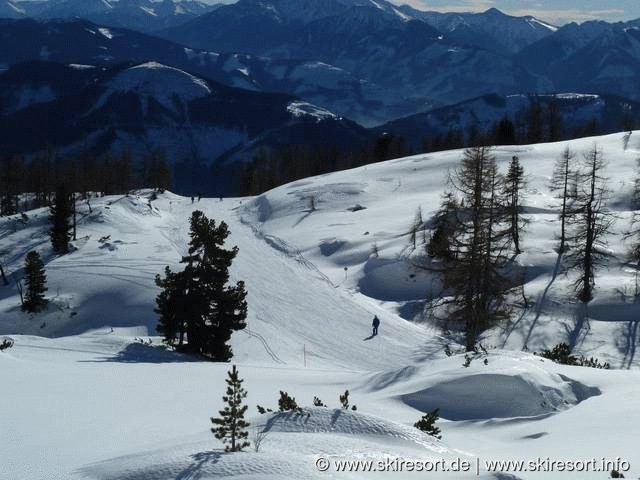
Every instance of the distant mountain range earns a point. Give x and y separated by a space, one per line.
408 57
200 81
80 109
142 15
574 114
367 60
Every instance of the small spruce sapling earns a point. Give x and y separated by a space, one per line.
467 361
426 424
36 281
287 403
344 400
231 427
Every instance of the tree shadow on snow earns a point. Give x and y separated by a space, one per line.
144 353
202 461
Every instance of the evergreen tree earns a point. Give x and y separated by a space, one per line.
172 306
157 172
505 132
591 224
415 227
198 301
560 182
12 183
231 427
440 245
61 211
35 280
535 123
634 234
480 239
554 120
426 423
513 185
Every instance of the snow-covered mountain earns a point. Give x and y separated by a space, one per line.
142 15
83 42
594 56
374 42
574 112
142 107
491 29
126 408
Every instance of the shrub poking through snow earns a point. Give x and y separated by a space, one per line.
616 474
231 427
262 410
426 424
288 404
317 402
6 343
561 353
467 361
258 434
344 399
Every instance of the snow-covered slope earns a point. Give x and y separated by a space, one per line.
92 394
152 80
491 29
141 15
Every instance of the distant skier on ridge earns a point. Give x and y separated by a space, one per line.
375 324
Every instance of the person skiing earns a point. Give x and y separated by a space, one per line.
375 324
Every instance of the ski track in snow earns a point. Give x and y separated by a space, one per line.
93 394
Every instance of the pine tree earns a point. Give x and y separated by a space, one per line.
634 234
157 172
505 132
198 301
231 426
591 224
560 182
479 241
514 182
173 307
61 211
415 227
440 245
35 280
426 423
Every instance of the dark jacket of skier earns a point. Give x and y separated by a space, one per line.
375 324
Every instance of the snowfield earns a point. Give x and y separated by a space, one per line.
90 392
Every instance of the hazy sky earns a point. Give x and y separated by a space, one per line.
555 11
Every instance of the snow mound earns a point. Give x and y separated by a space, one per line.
397 280
485 396
507 386
291 446
347 422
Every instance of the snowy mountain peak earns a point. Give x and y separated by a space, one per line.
160 82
